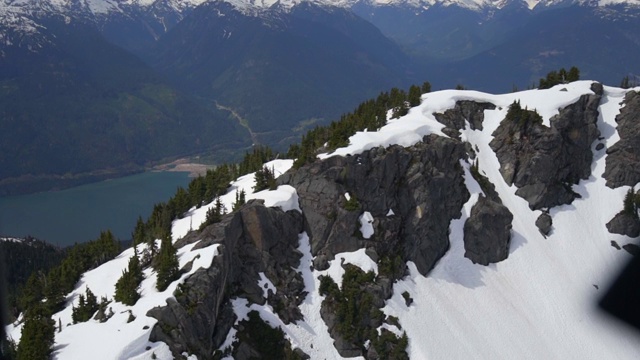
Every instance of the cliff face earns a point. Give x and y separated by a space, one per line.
624 156
412 193
543 162
256 241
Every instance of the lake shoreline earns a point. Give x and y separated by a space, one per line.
184 165
34 184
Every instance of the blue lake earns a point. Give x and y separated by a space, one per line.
80 213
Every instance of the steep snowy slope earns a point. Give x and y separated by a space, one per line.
539 303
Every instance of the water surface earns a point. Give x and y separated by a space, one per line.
79 214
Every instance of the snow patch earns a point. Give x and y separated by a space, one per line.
266 285
358 258
284 197
366 225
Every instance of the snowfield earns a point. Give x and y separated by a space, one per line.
539 303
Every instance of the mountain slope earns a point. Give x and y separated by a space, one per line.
280 70
86 108
602 42
539 302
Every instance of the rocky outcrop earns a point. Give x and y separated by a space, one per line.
624 224
464 111
253 240
623 158
423 186
544 223
487 232
544 162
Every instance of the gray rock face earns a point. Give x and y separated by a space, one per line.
544 223
256 239
544 162
624 224
623 158
464 110
423 185
487 232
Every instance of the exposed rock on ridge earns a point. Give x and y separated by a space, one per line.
487 232
544 162
464 110
624 224
255 239
423 185
623 158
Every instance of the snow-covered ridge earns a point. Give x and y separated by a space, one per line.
536 304
541 301
11 239
130 339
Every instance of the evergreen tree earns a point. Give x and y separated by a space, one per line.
414 95
265 179
104 249
32 292
167 264
38 334
573 74
55 297
630 203
253 161
630 81
196 191
127 286
240 200
561 76
87 306
179 204
214 214
426 87
139 235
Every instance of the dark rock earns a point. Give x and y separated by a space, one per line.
301 354
256 239
544 223
615 245
544 162
345 348
464 111
623 157
371 252
423 184
632 249
487 232
624 224
408 300
599 147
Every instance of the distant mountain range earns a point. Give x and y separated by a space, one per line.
98 88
